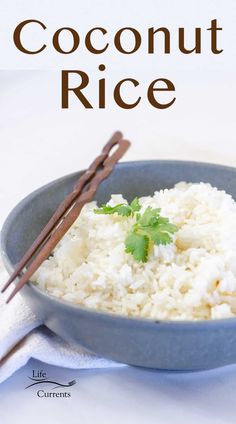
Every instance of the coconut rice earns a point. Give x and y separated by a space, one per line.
193 278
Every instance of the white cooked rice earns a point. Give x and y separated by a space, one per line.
190 279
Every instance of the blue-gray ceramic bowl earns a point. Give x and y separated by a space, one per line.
171 345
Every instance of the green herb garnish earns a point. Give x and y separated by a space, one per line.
149 228
123 209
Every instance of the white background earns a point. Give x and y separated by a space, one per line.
39 141
128 395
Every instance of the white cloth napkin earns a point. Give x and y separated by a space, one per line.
22 336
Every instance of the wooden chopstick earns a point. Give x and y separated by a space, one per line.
69 210
62 208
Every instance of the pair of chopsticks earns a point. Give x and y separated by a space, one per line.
68 211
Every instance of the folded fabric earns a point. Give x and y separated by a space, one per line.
23 336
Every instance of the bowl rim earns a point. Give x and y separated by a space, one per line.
221 322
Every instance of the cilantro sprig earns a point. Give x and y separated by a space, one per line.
149 229
123 209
